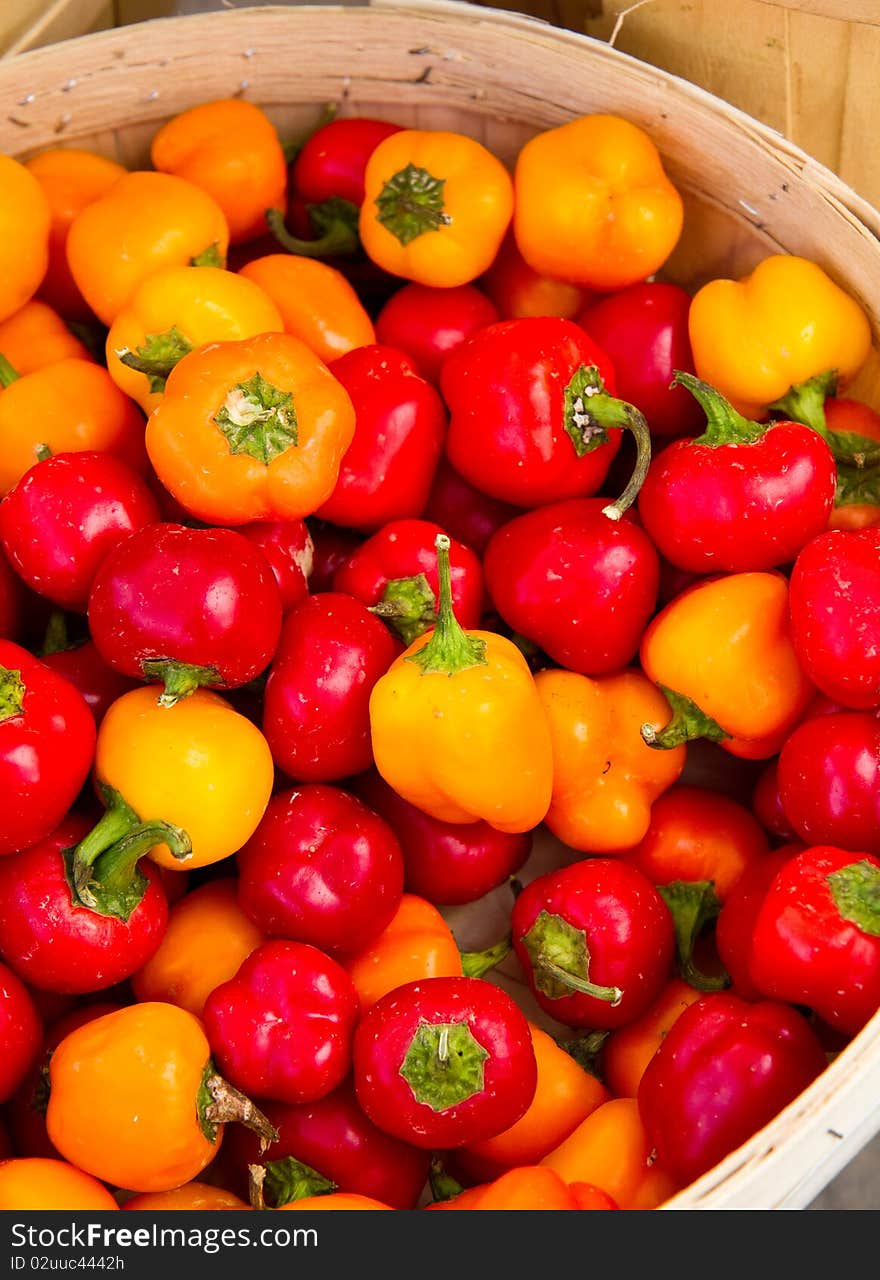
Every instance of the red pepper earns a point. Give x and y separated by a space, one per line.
90 675
743 496
596 942
282 1027
735 925
331 547
429 323
829 780
444 1062
60 935
724 1069
817 937
334 1137
468 514
395 573
644 331
47 744
835 615
579 585
519 396
331 162
386 472
316 706
21 1032
449 863
11 600
65 516
321 868
189 607
767 803
288 546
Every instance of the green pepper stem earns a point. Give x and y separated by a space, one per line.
589 413
475 963
805 401
339 237
114 868
443 1185
12 691
7 373
723 424
180 678
449 648
611 995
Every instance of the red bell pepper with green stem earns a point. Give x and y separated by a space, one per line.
316 705
47 744
829 780
395 573
321 868
816 940
61 938
596 942
577 584
429 323
743 496
724 1069
387 470
189 607
444 1062
282 1027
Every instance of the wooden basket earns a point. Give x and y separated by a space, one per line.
502 77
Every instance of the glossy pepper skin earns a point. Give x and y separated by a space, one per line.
444 1062
735 925
515 431
37 335
189 607
331 162
464 511
65 516
742 496
416 944
321 868
39 1183
436 206
387 470
786 321
457 726
47 743
22 1032
816 940
282 1027
25 236
725 1068
835 595
725 646
605 779
428 324
288 546
829 780
518 291
579 585
250 430
593 203
90 675
316 717
595 940
317 303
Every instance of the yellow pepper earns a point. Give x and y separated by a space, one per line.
174 310
605 778
755 338
457 727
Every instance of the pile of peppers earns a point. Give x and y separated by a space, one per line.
393 558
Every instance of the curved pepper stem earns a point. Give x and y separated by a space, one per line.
157 356
692 905
475 963
219 1102
408 606
723 424
687 723
179 678
590 413
7 373
449 649
283 1181
102 869
805 401
561 960
443 1185
336 219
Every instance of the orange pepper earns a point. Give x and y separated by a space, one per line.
145 221
697 835
68 406
565 1095
335 1200
526 1187
174 310
594 205
418 943
250 430
722 649
605 778
518 291
24 236
199 765
436 207
192 1196
316 302
230 149
30 1183
628 1050
586 1196
71 179
785 322
36 335
612 1151
458 728
208 936
128 1096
